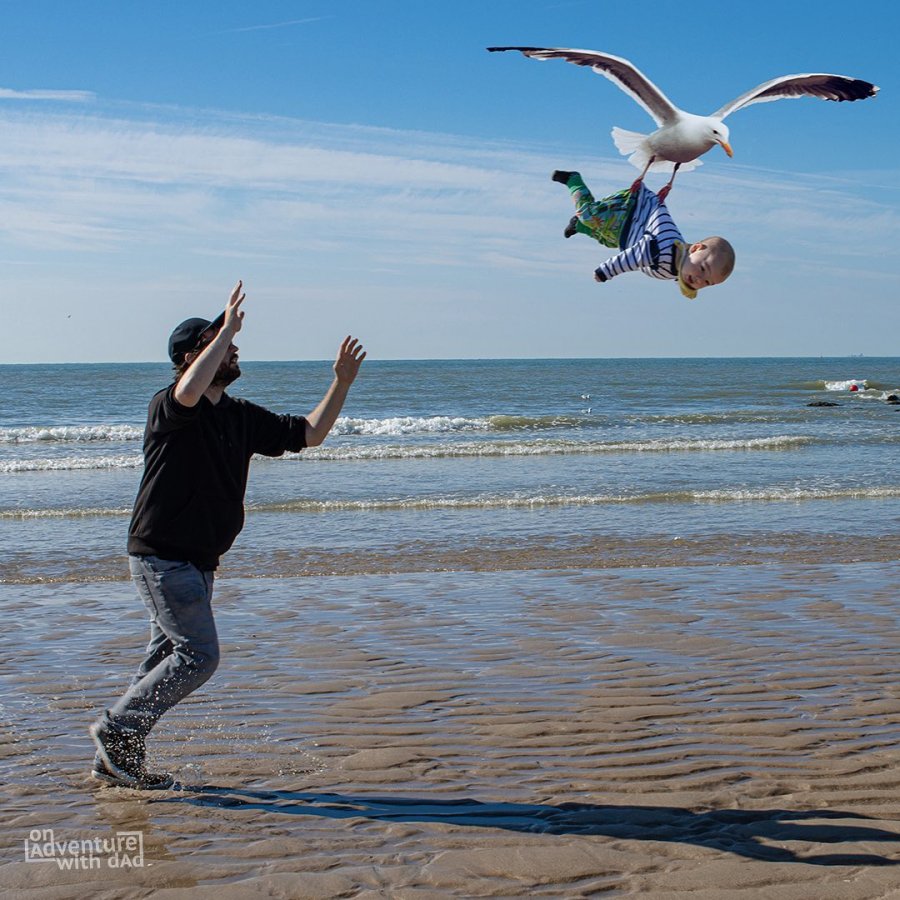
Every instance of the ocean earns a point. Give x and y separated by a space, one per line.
482 465
543 627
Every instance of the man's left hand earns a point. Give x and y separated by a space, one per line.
349 358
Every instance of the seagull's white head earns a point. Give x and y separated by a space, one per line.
688 137
718 134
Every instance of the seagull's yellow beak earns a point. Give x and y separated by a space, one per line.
726 147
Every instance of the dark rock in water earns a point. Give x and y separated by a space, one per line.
823 403
892 398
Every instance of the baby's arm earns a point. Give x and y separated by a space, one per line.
642 255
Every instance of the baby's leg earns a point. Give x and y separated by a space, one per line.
592 214
599 219
586 208
579 192
604 219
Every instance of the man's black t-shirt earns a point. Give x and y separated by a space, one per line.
190 504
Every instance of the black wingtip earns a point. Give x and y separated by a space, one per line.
851 89
860 90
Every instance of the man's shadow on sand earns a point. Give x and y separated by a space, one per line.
729 830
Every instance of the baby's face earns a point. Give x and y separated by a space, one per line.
700 268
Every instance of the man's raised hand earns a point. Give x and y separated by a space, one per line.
349 358
234 316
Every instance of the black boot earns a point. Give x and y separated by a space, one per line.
120 761
572 227
561 176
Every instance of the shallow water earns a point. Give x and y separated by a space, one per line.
478 734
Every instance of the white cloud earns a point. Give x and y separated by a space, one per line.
65 96
397 230
287 24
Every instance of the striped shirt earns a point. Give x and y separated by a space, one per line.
650 243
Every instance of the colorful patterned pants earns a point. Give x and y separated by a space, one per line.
603 220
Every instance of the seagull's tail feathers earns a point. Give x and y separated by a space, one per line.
633 145
628 142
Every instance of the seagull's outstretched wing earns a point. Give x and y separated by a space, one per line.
788 87
617 70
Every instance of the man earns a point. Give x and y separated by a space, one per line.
189 510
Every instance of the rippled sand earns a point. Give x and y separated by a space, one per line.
711 732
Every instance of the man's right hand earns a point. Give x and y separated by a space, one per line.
234 316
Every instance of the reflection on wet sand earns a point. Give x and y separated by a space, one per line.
658 730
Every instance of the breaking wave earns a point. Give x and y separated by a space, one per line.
773 494
67 434
554 447
464 449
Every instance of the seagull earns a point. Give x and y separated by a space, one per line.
682 136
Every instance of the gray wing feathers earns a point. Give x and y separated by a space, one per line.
790 87
618 70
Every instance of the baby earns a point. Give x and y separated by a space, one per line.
637 223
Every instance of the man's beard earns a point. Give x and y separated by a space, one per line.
228 372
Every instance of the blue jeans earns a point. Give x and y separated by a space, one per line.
184 648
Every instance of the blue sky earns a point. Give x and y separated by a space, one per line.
367 167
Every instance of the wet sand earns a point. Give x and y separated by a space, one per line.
706 732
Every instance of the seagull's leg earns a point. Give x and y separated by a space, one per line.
637 181
663 192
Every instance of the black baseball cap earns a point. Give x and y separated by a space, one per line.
187 335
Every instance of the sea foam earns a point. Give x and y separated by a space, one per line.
65 434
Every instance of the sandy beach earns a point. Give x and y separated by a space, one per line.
706 732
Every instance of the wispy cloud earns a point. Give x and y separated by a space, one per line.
279 185
65 96
271 26
390 225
